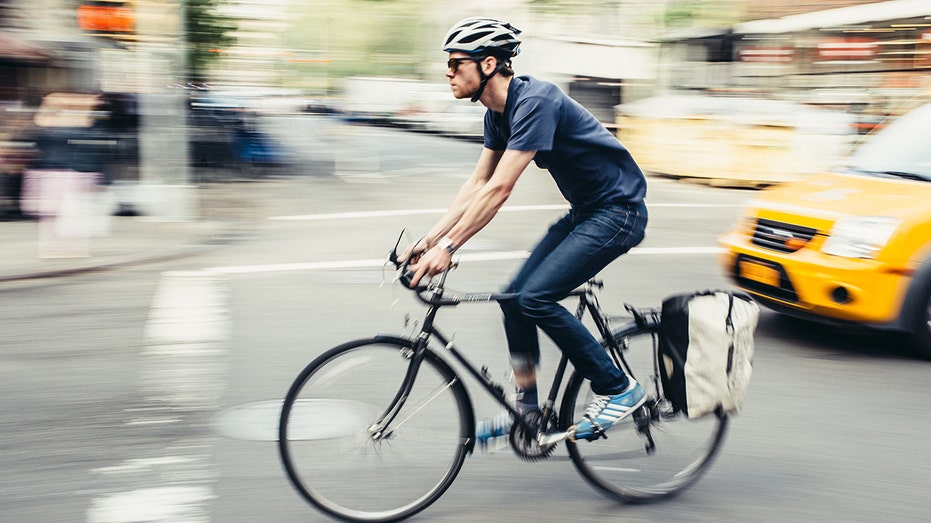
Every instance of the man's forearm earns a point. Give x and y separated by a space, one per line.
455 212
480 198
480 212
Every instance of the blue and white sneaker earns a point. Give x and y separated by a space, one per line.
490 429
605 411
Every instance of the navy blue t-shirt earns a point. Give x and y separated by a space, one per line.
590 166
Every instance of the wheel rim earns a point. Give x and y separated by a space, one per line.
329 450
928 316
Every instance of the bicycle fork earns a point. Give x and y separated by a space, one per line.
380 429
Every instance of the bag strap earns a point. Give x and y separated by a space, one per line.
729 322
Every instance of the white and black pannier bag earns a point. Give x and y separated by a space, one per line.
706 350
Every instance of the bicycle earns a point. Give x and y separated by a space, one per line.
377 429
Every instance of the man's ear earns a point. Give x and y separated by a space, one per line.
489 63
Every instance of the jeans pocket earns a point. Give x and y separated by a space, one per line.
619 227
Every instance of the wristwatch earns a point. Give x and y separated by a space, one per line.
446 243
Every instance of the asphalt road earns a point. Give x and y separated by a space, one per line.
151 393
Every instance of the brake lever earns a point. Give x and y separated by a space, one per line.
403 275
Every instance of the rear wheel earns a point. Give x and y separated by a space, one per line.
655 454
341 464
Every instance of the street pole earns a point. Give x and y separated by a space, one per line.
165 191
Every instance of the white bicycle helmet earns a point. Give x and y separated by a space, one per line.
479 35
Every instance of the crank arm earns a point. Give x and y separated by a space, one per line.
552 438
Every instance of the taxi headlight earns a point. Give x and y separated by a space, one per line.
860 236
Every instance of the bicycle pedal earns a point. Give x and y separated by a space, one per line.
598 434
552 438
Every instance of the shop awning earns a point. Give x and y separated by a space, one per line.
13 47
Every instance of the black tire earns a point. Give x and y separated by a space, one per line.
921 338
621 466
337 464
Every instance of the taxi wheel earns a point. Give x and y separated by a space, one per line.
921 338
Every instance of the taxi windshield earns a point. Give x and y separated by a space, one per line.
900 150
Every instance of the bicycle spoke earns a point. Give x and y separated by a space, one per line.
629 464
422 404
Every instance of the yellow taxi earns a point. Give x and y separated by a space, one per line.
851 246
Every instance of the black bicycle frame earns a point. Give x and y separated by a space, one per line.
587 302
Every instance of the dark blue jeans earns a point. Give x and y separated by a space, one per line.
575 249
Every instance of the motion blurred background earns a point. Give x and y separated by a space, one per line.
145 134
173 92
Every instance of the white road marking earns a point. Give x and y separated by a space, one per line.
183 370
466 257
155 504
186 340
507 208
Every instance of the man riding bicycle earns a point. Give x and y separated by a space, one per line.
533 120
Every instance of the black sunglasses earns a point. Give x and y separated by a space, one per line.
453 63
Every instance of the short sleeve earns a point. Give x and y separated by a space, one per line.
534 124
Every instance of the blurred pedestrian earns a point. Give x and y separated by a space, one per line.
61 182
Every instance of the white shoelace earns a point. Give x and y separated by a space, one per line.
597 405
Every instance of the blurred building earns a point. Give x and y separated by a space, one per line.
769 100
867 57
62 46
20 59
763 9
131 53
258 57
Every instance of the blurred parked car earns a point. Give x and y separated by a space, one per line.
459 119
852 246
447 118
225 133
211 122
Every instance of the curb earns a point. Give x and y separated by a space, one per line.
723 183
90 267
219 235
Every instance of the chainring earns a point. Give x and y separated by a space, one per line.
525 443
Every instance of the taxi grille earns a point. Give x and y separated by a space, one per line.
781 236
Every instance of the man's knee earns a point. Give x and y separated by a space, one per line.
535 305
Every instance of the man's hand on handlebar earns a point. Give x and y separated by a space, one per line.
413 252
429 263
418 261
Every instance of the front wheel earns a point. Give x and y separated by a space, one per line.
921 337
341 460
654 454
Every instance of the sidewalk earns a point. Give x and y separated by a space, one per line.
131 240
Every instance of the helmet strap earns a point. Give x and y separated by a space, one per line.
481 86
